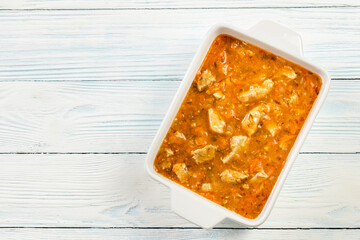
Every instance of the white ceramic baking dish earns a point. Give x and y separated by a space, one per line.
276 39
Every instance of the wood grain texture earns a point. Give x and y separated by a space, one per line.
155 45
124 116
100 79
107 190
139 4
112 234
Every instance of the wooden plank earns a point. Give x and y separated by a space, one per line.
112 234
156 44
124 116
138 4
107 190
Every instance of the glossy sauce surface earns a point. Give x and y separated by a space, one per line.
232 134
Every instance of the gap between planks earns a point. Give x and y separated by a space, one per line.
133 80
169 5
190 228
129 153
173 8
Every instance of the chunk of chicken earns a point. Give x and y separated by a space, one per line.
181 171
205 80
169 152
217 124
271 127
237 144
259 176
249 53
180 135
252 118
293 98
256 91
225 69
228 157
219 95
232 176
165 164
204 154
206 187
288 72
285 141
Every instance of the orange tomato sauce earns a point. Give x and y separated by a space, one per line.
233 132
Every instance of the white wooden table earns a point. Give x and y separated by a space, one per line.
84 86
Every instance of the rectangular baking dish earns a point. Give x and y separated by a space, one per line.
276 39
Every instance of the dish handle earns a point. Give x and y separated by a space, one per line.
194 209
278 36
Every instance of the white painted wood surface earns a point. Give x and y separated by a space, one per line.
113 190
83 89
228 234
155 44
150 4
